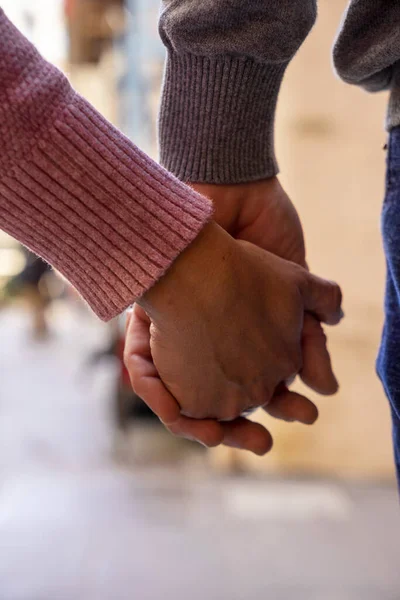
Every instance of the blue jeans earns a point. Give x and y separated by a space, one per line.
388 363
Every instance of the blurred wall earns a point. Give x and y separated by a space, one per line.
42 22
330 139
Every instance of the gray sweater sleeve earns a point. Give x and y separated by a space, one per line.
368 44
367 50
226 60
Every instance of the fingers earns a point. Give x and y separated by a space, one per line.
207 432
290 406
247 435
317 372
321 297
128 315
142 372
241 434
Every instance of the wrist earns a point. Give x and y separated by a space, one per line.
231 203
195 276
237 192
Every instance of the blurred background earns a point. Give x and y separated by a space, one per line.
97 501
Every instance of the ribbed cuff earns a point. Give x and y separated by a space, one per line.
96 208
217 118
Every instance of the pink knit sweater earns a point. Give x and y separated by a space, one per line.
80 194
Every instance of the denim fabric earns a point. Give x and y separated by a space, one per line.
388 363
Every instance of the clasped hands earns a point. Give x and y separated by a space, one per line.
235 317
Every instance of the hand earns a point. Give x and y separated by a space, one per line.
261 212
241 433
229 369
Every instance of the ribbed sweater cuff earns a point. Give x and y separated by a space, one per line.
217 118
99 210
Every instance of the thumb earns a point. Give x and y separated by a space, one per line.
317 371
321 297
142 371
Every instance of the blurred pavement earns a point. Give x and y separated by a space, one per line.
75 526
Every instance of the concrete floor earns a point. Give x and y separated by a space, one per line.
76 526
109 534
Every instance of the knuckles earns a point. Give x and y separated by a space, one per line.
130 363
337 295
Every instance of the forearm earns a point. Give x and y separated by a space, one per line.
77 192
226 62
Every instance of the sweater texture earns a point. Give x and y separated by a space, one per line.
77 192
226 61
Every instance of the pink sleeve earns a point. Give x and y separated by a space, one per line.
80 194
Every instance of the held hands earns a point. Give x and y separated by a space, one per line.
261 212
210 368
